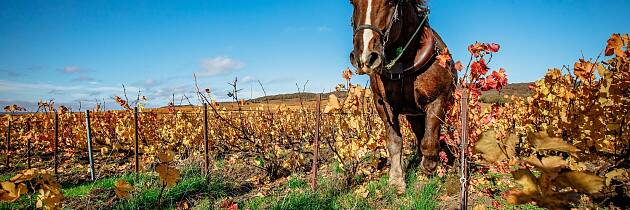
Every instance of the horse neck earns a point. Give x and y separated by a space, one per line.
410 23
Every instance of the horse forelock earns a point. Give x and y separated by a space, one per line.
422 2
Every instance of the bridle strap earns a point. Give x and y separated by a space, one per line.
370 27
424 55
384 36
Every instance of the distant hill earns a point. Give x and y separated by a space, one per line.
308 99
296 97
517 89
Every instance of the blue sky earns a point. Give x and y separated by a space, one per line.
85 50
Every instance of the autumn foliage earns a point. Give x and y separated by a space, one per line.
565 143
573 131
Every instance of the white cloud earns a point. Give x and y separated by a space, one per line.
323 29
9 86
150 82
247 79
304 29
83 79
219 65
71 69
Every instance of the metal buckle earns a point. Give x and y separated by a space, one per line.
395 73
398 76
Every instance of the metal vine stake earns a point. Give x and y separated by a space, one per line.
464 146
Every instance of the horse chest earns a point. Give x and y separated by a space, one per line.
403 97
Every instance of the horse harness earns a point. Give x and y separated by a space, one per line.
395 70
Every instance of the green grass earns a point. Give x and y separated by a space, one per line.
146 191
80 190
21 203
294 183
305 200
6 176
424 198
330 195
106 183
191 183
299 196
208 192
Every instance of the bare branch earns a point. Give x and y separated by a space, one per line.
125 93
200 95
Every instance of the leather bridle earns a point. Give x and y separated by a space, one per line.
384 35
394 69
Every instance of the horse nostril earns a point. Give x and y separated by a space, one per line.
373 60
353 60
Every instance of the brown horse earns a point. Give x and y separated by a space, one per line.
395 46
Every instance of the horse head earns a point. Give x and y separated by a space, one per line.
377 24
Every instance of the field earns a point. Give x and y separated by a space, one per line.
559 142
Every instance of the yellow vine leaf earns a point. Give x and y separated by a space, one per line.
123 189
548 164
489 147
23 176
104 151
526 179
616 174
542 141
480 207
333 104
510 145
602 71
11 192
49 198
166 156
519 197
615 45
581 181
583 69
168 174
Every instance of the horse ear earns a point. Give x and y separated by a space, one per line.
352 22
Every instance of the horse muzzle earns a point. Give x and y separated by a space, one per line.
366 63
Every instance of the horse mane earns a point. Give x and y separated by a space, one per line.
421 2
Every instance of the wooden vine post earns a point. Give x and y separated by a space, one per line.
464 147
28 146
56 143
8 149
89 143
205 140
135 139
316 143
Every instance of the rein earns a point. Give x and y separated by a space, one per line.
393 62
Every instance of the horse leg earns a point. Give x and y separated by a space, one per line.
417 123
430 142
394 144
